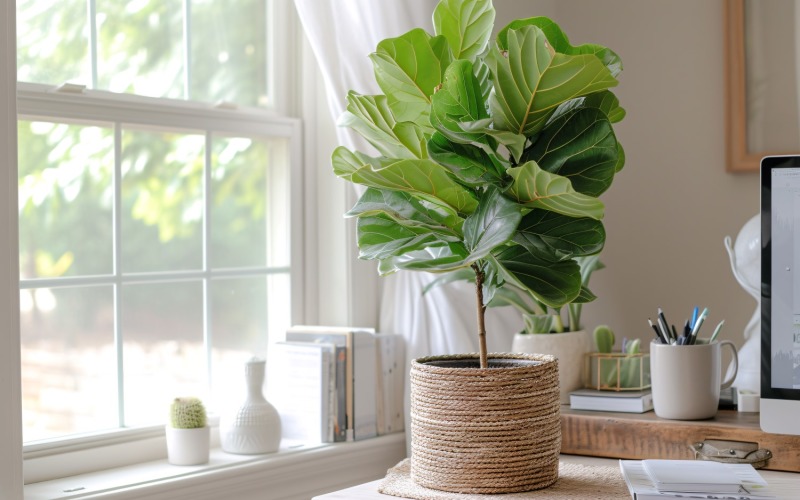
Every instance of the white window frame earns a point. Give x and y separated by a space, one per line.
75 455
11 409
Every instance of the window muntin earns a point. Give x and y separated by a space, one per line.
168 227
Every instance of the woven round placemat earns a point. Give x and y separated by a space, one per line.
485 430
574 482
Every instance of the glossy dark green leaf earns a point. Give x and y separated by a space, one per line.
467 25
580 146
491 225
559 41
531 80
423 178
552 283
537 188
380 237
432 259
470 165
401 205
549 233
408 69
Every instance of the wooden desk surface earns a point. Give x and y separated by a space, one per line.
786 485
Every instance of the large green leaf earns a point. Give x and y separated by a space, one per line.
515 143
408 69
491 225
432 259
470 165
422 177
370 116
531 80
559 41
467 25
552 283
458 100
380 237
581 146
537 188
605 101
548 233
402 205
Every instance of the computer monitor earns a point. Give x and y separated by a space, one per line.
780 294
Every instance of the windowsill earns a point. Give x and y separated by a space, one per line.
290 473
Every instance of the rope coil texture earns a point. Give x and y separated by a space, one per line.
485 431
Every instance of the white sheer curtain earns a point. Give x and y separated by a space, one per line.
342 33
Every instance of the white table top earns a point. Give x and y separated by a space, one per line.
786 485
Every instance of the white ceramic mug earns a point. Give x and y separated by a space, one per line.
686 379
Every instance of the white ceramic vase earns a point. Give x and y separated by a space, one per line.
254 427
188 446
569 348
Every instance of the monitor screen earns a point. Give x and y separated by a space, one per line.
780 292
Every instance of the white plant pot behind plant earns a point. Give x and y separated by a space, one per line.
569 348
188 446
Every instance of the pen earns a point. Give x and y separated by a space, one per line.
698 324
666 324
716 331
664 331
655 329
694 317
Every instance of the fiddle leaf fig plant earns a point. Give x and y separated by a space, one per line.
491 156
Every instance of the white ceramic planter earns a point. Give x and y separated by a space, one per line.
569 348
188 446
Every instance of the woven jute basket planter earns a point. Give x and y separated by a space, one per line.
485 431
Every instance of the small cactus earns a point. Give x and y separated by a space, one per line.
604 338
187 413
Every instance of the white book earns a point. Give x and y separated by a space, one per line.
360 390
301 386
642 487
390 359
619 401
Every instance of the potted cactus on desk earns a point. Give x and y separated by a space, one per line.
188 434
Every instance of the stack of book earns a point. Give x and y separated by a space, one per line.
621 401
657 479
333 384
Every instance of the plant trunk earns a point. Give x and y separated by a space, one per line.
479 277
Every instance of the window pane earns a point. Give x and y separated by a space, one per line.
140 47
65 199
164 355
53 42
69 375
239 199
238 332
228 57
162 201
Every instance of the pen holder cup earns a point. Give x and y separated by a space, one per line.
616 371
687 379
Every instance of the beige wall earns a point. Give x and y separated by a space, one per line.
672 205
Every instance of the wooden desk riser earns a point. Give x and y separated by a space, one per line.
640 436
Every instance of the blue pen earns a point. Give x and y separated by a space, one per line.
694 317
